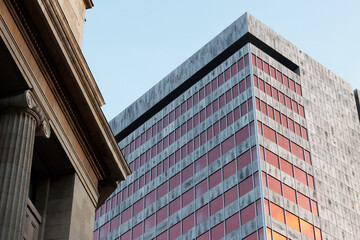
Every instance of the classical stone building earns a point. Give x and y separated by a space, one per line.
250 138
59 160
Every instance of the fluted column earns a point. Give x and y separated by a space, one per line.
20 121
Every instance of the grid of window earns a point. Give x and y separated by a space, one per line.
290 193
286 167
196 115
284 142
290 220
276 74
195 159
279 96
281 118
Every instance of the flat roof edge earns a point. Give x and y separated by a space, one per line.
181 74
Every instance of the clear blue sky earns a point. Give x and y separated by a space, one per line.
130 45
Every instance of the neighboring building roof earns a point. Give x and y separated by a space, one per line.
245 29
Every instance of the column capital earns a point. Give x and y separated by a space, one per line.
26 102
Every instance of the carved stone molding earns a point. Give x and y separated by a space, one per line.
25 102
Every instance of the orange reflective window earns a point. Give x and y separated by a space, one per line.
289 193
274 184
314 208
268 233
292 221
317 233
307 229
304 201
277 212
278 236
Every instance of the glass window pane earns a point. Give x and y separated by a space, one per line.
271 158
246 186
286 167
149 222
201 188
248 213
205 236
270 111
298 89
221 79
138 206
300 175
188 223
174 206
241 64
307 229
297 150
229 169
242 135
292 221
150 198
244 159
187 172
274 184
266 68
304 201
215 179
283 142
175 231
230 195
227 145
200 163
268 89
126 215
114 223
216 205
174 181
232 223
217 232
126 235
277 212
202 214
214 154
233 69
162 236
314 208
289 193
188 197
317 233
301 111
278 236
137 230
161 214
269 133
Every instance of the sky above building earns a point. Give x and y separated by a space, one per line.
132 45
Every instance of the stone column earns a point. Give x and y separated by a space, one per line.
20 121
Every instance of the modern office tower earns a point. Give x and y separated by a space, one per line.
249 139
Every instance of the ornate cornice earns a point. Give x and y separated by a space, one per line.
36 47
